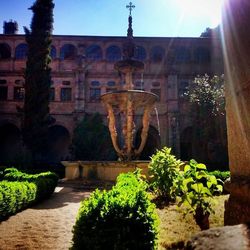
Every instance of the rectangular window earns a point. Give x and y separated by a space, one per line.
95 94
19 93
157 92
3 93
66 94
52 94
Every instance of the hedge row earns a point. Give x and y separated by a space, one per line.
19 190
45 182
122 218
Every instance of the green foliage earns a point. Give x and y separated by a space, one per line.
207 98
45 182
208 93
198 187
15 196
38 79
19 190
222 175
122 218
91 140
164 172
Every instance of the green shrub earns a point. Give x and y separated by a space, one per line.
222 175
15 196
19 190
164 172
122 218
45 182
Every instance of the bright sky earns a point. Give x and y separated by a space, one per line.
164 18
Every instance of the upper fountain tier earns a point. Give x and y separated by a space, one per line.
129 64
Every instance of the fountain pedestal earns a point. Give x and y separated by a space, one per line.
101 170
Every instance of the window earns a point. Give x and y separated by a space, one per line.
94 52
3 93
111 83
19 93
140 53
157 54
113 54
21 51
53 52
95 94
139 85
3 81
182 54
183 87
5 51
66 94
95 83
52 94
202 55
157 92
67 83
68 52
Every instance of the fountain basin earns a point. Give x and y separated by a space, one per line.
102 170
138 98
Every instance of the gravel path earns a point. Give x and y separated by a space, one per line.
47 225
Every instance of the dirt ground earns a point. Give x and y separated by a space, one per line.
47 225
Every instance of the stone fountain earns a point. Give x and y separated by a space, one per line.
121 107
127 101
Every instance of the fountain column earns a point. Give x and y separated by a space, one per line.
236 20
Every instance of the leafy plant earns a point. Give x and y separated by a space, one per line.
222 175
122 218
164 173
197 187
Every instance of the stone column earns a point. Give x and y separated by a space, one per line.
236 28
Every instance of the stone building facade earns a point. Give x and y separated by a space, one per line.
83 70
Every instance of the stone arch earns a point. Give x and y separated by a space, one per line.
152 144
68 52
157 54
140 53
94 52
10 143
186 144
182 54
59 142
5 51
21 51
202 55
113 53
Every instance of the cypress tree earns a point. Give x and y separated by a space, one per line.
38 78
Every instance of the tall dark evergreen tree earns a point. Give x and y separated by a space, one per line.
38 78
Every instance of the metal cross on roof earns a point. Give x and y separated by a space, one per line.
130 7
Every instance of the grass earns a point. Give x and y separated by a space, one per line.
175 228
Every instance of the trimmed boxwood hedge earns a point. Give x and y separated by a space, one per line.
15 196
19 190
122 218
